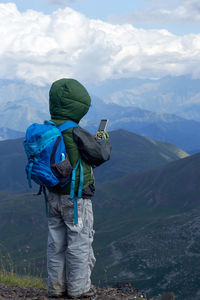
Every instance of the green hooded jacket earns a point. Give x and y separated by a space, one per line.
69 100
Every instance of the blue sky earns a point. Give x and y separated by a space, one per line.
118 11
102 9
96 40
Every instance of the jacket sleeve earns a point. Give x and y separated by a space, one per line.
93 151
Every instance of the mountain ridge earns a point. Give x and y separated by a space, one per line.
7 134
30 104
178 95
176 175
130 151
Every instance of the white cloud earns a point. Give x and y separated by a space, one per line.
42 48
182 11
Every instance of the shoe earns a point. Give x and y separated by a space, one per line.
57 296
91 293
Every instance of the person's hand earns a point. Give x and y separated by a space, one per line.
105 135
102 135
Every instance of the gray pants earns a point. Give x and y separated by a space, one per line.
70 257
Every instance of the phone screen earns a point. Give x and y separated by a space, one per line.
103 125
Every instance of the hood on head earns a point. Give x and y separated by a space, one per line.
68 100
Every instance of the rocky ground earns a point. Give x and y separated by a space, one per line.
119 292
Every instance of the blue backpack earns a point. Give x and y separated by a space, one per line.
48 163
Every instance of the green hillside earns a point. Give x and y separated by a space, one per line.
12 166
147 230
155 252
176 183
133 153
23 227
130 153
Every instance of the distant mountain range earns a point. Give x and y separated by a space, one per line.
183 133
178 95
6 134
29 104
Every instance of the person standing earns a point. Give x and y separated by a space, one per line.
70 257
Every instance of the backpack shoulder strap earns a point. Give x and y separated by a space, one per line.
67 125
72 189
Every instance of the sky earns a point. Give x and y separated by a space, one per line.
96 40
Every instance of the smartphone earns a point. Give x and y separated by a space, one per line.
103 125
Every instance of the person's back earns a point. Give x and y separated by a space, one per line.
70 257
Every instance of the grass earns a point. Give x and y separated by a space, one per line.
13 279
8 276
